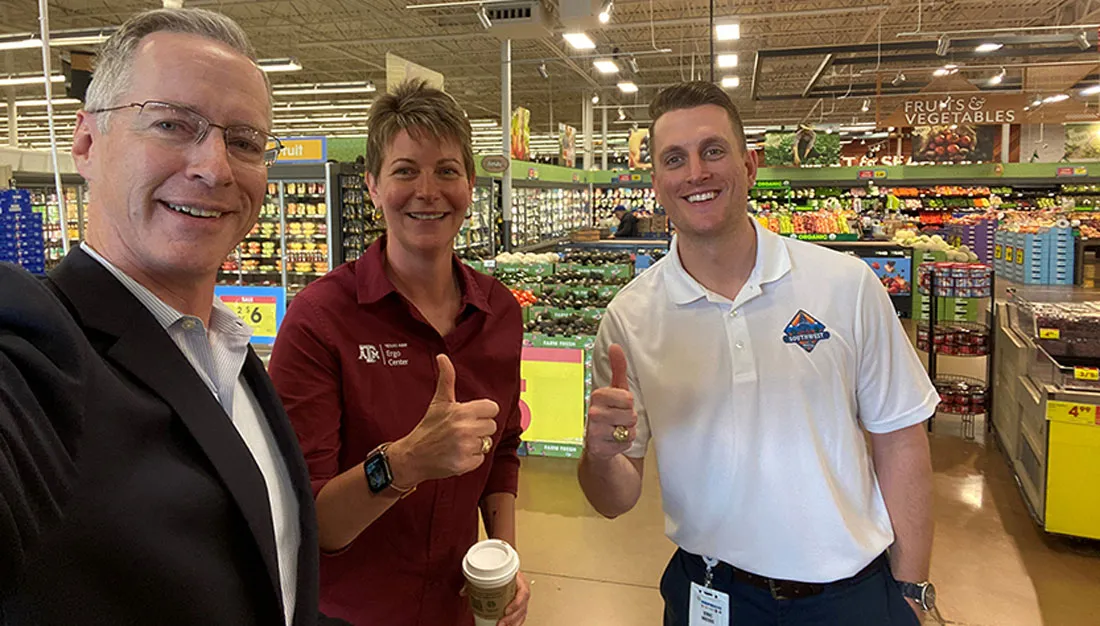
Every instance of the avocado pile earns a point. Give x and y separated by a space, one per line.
596 258
570 326
576 299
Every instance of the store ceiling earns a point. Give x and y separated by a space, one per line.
347 40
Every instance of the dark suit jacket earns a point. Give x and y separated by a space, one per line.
128 491
628 226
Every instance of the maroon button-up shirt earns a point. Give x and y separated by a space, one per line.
354 363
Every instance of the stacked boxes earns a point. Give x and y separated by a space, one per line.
978 237
21 239
1043 258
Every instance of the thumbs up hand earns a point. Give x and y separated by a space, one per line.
611 416
451 438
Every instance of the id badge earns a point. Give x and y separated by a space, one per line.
709 607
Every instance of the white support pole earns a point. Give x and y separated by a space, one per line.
1006 136
603 145
589 131
506 139
13 123
44 24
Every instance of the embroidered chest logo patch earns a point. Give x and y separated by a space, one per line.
805 331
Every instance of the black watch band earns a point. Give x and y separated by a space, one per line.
380 475
923 593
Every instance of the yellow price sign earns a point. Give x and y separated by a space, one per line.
1086 373
1019 256
552 394
998 251
257 311
1050 333
1072 413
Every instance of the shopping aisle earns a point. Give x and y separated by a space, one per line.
992 565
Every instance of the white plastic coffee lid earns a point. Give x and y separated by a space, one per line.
491 563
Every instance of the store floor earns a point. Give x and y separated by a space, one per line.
992 565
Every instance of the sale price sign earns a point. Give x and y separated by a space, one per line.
262 308
552 394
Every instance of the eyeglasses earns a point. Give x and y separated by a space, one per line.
180 126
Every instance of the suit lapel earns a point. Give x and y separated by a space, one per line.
308 553
145 351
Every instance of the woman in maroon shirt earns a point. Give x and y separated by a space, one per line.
400 372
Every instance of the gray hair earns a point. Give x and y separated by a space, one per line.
116 57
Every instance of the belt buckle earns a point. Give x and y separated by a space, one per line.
775 590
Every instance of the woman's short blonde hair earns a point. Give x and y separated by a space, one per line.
421 111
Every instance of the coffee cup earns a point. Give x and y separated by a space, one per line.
490 567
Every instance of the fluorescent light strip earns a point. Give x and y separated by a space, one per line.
727 60
606 66
12 81
579 41
323 88
727 32
279 65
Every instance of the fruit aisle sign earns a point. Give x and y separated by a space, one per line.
552 395
262 308
953 100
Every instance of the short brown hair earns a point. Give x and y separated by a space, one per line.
416 108
695 94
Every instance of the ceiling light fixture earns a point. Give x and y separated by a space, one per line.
1055 98
1082 41
943 45
579 41
1090 91
899 79
727 32
483 17
605 11
998 77
727 60
730 82
542 71
324 88
595 98
279 65
37 102
628 87
606 66
989 46
622 114
866 105
633 63
12 81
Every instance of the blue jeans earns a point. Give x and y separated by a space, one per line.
874 600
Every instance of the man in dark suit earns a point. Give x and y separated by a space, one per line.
148 472
628 223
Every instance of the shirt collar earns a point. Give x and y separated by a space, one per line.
222 318
773 261
373 284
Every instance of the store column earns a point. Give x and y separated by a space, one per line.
589 130
603 146
13 121
506 139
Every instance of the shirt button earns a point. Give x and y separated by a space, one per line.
740 345
189 324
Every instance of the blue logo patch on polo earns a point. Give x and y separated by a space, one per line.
806 331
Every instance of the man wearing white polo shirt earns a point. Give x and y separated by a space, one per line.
754 364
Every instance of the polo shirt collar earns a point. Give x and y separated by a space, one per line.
773 262
374 284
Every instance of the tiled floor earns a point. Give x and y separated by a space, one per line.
993 566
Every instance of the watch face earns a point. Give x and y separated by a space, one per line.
929 600
378 475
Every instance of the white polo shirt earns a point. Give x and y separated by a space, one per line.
756 406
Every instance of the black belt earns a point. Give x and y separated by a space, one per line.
790 589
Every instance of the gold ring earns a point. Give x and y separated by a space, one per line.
486 444
620 434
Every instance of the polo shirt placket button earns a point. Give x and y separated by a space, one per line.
740 345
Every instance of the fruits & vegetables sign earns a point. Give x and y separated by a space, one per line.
953 144
961 109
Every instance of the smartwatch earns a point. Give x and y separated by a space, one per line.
924 593
378 472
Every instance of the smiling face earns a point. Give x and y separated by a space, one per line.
163 210
423 192
700 173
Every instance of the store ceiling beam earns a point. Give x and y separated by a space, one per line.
934 58
817 75
903 46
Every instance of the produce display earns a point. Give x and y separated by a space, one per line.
934 243
527 258
571 325
823 222
597 257
540 214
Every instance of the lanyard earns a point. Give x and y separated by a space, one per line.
709 576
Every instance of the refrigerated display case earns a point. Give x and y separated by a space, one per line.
294 242
547 211
44 200
477 237
359 222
